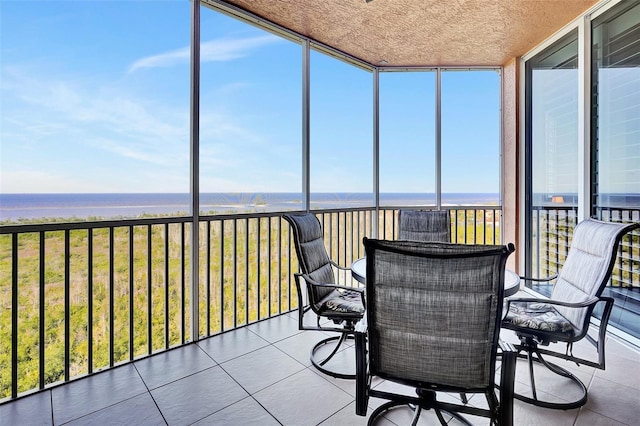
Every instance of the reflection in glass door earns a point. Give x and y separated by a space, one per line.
551 156
615 143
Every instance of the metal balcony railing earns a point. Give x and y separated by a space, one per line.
82 297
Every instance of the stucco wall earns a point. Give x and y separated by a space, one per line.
511 160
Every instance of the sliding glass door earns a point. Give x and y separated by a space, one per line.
615 147
561 86
551 155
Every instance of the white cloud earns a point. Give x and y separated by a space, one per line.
106 118
106 125
89 135
224 49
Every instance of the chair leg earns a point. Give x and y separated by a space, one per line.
443 422
362 377
319 364
582 400
417 410
381 409
416 415
340 342
507 385
532 378
426 401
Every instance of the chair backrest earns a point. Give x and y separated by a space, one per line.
434 311
424 225
588 266
312 254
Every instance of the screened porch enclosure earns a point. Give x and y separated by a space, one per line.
502 143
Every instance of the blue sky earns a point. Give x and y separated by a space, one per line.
95 98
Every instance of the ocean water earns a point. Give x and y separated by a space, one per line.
83 206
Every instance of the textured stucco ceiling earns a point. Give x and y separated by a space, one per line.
423 32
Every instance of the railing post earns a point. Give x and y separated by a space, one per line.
195 171
306 161
438 135
376 149
14 315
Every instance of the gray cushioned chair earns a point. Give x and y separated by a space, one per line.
424 225
343 305
433 323
565 317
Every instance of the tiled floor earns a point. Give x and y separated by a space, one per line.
261 375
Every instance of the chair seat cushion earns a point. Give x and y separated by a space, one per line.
342 302
537 316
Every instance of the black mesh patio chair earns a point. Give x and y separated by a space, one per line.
432 323
565 317
424 225
343 305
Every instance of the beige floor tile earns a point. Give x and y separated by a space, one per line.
615 401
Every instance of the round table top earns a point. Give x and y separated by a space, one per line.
511 279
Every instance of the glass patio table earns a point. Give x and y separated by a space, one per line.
511 279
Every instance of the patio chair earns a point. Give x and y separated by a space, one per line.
565 317
424 225
432 323
342 305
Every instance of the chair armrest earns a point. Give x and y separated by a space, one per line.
336 286
584 304
539 280
342 268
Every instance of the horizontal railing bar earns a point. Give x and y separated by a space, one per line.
451 208
81 225
556 208
115 223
